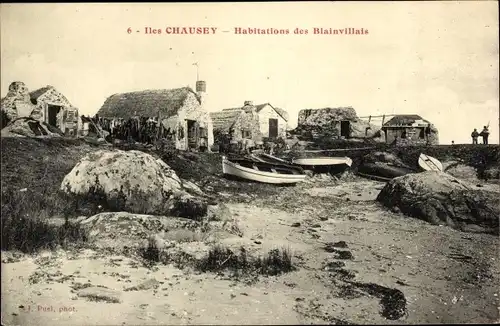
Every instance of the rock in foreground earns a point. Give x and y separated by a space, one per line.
440 198
135 182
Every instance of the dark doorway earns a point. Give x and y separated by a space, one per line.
193 133
53 111
273 128
345 129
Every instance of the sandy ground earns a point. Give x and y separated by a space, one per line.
445 276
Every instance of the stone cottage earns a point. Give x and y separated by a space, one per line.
335 123
56 110
45 104
410 129
244 123
273 121
181 111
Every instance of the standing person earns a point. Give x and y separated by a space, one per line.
485 133
474 136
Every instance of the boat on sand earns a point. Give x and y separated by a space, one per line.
262 171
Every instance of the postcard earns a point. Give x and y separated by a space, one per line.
250 163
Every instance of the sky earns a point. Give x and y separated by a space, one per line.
436 59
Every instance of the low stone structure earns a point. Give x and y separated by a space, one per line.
244 123
45 104
410 129
335 123
258 121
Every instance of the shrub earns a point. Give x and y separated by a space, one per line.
275 262
220 259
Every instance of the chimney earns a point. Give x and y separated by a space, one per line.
201 89
248 103
201 86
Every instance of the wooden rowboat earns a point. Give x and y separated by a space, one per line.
262 171
315 161
429 163
264 157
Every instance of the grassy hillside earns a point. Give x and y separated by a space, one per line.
32 171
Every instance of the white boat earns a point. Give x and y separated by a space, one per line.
262 172
315 161
429 163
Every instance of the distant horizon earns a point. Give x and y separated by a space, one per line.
434 59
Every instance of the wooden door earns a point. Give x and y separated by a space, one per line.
273 128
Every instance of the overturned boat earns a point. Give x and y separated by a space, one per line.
324 160
429 163
262 171
382 170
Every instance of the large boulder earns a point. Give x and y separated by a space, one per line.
136 182
440 198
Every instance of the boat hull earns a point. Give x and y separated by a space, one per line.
429 163
383 170
323 161
234 169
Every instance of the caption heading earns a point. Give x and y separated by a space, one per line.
248 31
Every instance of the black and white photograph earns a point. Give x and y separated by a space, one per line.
250 163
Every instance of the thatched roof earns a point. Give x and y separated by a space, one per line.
404 120
225 119
146 103
282 113
325 116
39 92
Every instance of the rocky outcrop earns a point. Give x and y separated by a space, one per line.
462 171
136 182
17 102
131 229
440 198
384 157
29 127
491 172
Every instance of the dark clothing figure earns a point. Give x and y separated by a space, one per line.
485 133
474 136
